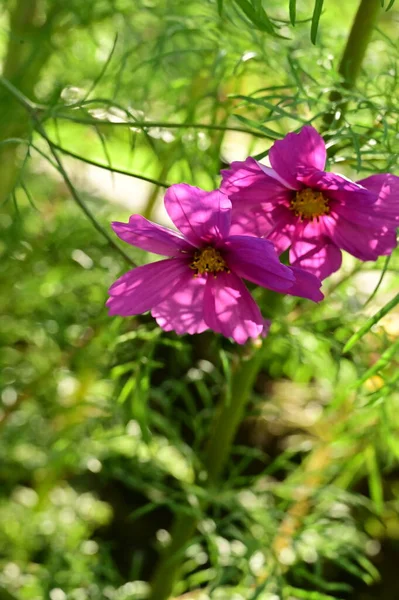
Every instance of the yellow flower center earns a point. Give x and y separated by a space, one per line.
309 204
208 260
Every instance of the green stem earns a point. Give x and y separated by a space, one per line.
27 53
108 168
229 416
151 124
354 53
149 208
227 419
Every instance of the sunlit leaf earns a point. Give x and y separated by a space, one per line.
318 7
292 9
371 322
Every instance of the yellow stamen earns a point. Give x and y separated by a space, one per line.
208 260
309 204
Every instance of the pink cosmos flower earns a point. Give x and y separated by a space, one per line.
199 285
316 214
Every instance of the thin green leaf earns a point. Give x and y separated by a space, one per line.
377 287
370 322
307 595
104 68
318 581
261 155
374 477
318 7
270 106
385 359
260 19
28 195
293 12
112 169
269 133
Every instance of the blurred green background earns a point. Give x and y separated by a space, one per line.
102 420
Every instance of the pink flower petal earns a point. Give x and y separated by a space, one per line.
201 216
306 285
149 236
229 308
143 288
182 311
362 243
303 149
337 187
319 256
256 260
385 211
274 224
250 183
240 175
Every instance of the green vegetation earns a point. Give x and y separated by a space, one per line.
105 422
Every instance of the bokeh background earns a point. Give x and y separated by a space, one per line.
102 420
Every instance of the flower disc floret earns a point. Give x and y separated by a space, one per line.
310 204
208 260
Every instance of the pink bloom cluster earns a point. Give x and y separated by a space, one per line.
237 232
316 214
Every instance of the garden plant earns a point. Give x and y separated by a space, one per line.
199 341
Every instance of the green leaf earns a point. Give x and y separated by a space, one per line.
385 359
370 322
308 595
318 6
257 17
375 482
292 8
270 106
381 279
268 133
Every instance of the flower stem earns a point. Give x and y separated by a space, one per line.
227 419
353 56
230 414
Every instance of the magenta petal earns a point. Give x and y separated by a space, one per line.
385 211
319 256
241 175
249 183
275 224
143 288
256 260
260 202
361 242
182 311
200 216
149 236
337 188
306 285
306 148
229 308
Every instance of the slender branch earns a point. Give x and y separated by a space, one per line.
77 197
227 419
150 205
153 124
353 56
112 169
25 102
